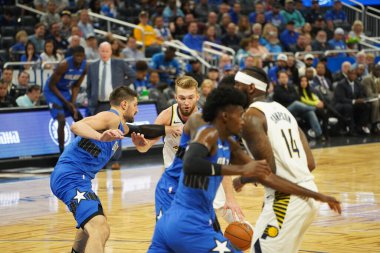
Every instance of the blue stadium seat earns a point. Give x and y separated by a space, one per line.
377 59
334 63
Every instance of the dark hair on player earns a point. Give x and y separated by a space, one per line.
122 93
227 81
77 49
257 73
219 98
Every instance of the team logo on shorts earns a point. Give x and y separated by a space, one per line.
221 247
80 196
53 127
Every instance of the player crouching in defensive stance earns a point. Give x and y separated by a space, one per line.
98 138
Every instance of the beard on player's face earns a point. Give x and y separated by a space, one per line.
187 110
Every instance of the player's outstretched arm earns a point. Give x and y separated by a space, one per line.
102 126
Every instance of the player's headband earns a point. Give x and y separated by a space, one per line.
248 80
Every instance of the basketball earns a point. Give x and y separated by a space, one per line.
239 234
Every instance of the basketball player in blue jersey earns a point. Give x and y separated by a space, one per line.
188 224
62 88
98 138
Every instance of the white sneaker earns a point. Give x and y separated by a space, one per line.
311 133
366 130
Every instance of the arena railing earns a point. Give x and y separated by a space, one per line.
211 52
372 21
28 8
355 11
34 77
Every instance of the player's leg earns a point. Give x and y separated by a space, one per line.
164 195
158 244
80 241
98 232
61 131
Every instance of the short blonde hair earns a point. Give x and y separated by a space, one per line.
357 23
19 34
207 82
186 82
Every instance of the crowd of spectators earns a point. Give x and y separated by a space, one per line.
285 38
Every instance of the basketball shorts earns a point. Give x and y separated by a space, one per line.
283 222
77 194
164 195
187 232
56 106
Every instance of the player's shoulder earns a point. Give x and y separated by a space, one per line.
165 116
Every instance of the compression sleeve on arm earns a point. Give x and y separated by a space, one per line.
195 161
150 131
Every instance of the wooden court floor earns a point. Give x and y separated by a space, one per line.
32 220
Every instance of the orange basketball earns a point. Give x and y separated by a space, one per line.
239 234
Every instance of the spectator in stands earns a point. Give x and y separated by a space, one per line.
18 49
154 79
75 41
108 8
235 13
31 98
75 31
156 91
210 35
23 80
328 74
320 42
213 75
212 20
300 45
65 24
91 48
60 43
343 74
228 70
116 48
188 7
38 38
273 45
30 54
349 101
41 5
268 28
292 69
163 32
274 16
50 55
224 59
286 94
280 66
231 39
319 25
196 71
192 39
206 87
244 27
131 51
141 82
320 79
190 18
260 19
224 8
314 12
171 10
150 37
166 65
51 16
308 61
251 61
370 59
289 36
224 22
290 13
243 52
338 43
335 16
202 11
5 99
178 28
257 49
371 84
308 97
356 32
7 78
7 19
259 8
85 24
360 72
361 59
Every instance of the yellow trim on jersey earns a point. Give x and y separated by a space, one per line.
280 206
172 119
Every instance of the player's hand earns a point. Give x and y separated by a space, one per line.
72 109
235 209
174 130
111 135
257 169
333 203
139 140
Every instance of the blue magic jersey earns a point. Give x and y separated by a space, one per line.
174 170
69 77
197 192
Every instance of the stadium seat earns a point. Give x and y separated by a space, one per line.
334 63
6 42
8 31
28 21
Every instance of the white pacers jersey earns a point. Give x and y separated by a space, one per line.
283 134
170 142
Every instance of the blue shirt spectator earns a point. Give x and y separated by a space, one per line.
336 14
289 37
166 65
171 11
192 39
274 16
337 43
281 65
290 13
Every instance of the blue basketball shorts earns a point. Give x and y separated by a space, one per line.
164 195
77 194
56 106
187 232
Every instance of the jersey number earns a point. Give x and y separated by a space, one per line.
290 143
